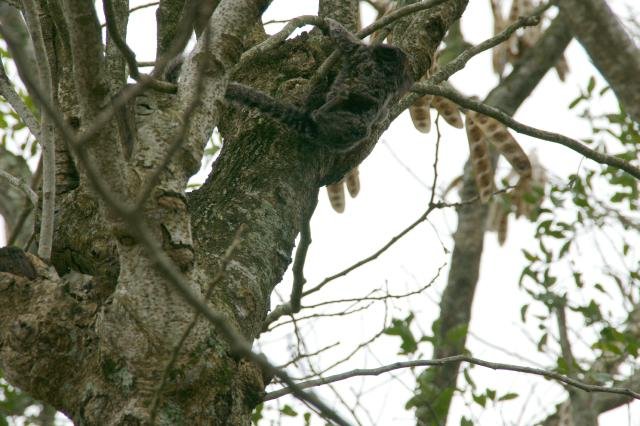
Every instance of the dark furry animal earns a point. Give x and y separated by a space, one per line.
357 98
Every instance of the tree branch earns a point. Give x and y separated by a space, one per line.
87 54
25 114
506 119
457 359
20 185
117 37
612 50
343 11
293 306
32 14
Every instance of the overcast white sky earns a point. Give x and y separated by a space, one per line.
390 199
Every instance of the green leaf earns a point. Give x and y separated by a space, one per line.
491 394
481 400
288 411
401 328
542 342
465 422
523 312
591 85
508 396
256 416
575 102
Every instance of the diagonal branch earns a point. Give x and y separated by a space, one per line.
457 359
506 119
612 50
21 186
25 114
117 37
293 306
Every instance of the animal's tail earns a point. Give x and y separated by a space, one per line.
288 114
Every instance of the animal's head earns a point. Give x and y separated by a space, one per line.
396 64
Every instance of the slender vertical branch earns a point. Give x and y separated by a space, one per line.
46 132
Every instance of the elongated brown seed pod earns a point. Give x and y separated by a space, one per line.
335 191
448 110
420 113
352 179
479 157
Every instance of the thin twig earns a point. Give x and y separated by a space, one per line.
378 298
375 255
114 33
26 211
293 306
301 356
461 60
21 109
435 161
137 8
455 359
508 121
20 185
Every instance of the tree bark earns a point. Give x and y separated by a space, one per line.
93 333
612 50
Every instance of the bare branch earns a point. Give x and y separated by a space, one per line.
21 186
25 114
505 119
114 33
456 359
32 13
293 306
612 50
461 60
458 63
86 52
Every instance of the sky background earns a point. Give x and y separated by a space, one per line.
395 189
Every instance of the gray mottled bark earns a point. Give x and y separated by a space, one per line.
610 47
344 11
92 333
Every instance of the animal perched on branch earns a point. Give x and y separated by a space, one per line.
370 77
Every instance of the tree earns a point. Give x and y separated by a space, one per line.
144 299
